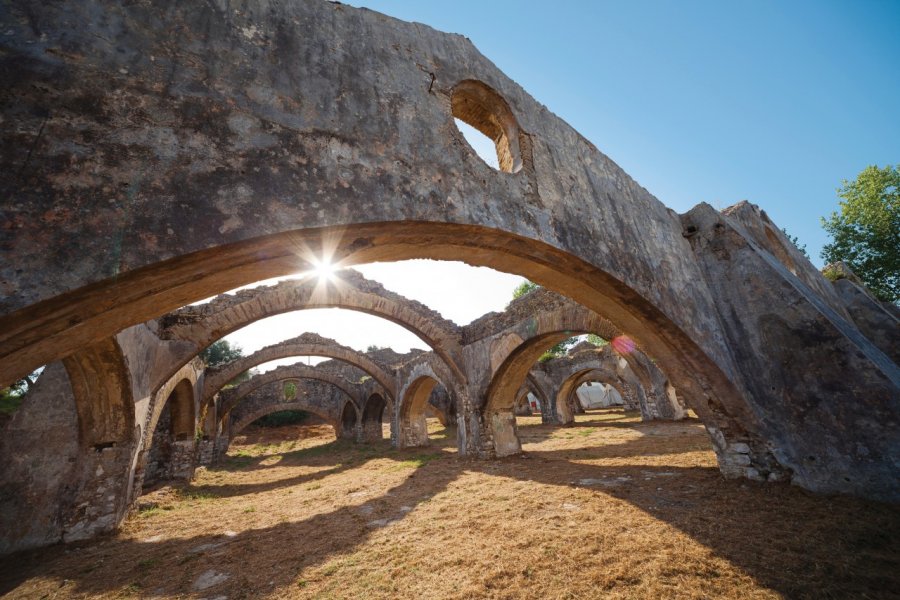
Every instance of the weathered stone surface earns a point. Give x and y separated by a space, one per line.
307 344
559 378
356 393
204 323
182 161
394 141
54 484
878 321
824 398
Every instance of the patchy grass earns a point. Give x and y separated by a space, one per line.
607 508
190 494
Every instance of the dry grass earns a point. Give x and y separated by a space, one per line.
609 508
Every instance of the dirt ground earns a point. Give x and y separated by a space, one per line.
607 508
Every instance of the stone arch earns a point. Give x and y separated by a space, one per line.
170 451
189 373
413 429
349 420
284 373
181 404
418 380
533 387
566 395
308 344
101 385
372 417
570 220
515 350
274 408
201 325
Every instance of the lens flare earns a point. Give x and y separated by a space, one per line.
623 344
324 270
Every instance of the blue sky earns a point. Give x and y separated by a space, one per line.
772 102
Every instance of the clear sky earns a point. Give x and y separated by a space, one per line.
699 101
774 102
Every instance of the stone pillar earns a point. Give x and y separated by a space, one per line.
505 434
413 431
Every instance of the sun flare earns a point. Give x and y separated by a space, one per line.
324 270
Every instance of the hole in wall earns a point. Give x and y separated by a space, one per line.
483 146
479 112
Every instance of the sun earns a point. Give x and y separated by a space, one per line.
324 270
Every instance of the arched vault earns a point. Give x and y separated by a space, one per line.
197 183
308 344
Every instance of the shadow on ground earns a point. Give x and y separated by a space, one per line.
798 544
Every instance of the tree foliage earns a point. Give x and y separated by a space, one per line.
221 352
866 231
596 340
559 350
523 288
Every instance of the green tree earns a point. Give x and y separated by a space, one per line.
523 288
221 352
560 349
866 231
597 340
796 242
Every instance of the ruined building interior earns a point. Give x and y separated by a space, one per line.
179 163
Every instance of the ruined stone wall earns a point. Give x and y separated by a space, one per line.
422 382
323 399
55 487
878 321
307 344
159 459
789 340
197 149
539 300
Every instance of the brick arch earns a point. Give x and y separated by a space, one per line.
378 174
231 397
304 345
273 408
